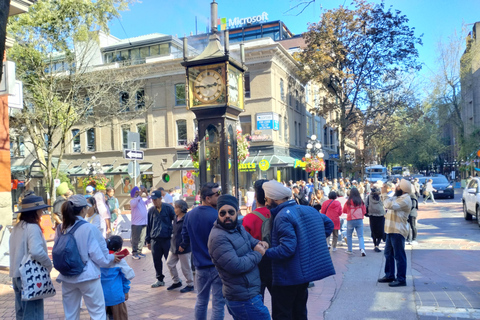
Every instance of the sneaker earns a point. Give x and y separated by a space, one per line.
377 249
175 285
187 289
414 242
334 249
397 284
424 202
349 252
363 253
408 242
142 255
386 280
135 257
158 284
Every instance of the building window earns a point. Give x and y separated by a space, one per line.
125 130
280 128
246 124
290 99
77 148
124 102
88 107
142 130
247 84
285 129
325 134
331 138
296 99
295 128
299 134
181 132
282 90
17 146
91 140
309 124
140 99
180 94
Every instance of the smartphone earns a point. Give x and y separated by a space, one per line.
123 253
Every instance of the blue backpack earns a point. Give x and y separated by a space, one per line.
66 258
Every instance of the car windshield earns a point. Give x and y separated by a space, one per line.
439 180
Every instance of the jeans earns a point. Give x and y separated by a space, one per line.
395 252
290 302
356 224
160 248
138 238
412 234
208 279
430 195
252 309
28 310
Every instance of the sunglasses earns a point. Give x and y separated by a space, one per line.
219 192
230 212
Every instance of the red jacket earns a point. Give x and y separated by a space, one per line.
333 211
349 207
253 224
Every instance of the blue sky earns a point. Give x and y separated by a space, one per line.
432 18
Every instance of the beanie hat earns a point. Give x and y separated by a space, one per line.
406 186
275 190
227 199
62 188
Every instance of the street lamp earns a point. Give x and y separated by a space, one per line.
93 167
314 149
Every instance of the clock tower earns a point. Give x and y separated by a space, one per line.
215 93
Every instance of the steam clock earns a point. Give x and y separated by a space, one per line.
215 93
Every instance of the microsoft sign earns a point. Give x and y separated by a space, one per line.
240 22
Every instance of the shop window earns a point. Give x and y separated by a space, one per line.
180 94
125 130
77 148
181 132
91 140
247 84
142 130
246 124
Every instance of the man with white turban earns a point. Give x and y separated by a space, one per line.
299 251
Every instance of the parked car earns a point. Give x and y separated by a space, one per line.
442 185
471 200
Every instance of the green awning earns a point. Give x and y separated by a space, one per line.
275 161
146 168
121 169
19 168
184 164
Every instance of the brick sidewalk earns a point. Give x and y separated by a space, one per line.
158 303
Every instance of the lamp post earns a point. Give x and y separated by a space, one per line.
94 167
314 149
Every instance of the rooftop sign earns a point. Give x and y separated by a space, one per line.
240 22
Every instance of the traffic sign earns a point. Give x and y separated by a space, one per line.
132 154
133 169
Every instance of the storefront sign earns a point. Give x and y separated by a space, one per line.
247 167
267 121
299 164
260 136
264 165
239 22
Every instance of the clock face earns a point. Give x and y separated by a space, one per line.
233 86
208 86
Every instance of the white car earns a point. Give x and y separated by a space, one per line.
471 200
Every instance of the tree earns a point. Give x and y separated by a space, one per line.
354 53
4 9
54 52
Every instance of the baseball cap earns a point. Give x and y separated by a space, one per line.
79 201
89 189
157 194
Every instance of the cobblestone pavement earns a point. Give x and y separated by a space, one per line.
445 263
158 303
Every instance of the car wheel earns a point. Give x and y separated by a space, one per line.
466 215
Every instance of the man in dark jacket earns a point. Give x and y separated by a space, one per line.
159 232
197 225
299 251
236 255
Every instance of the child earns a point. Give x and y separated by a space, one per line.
92 215
116 282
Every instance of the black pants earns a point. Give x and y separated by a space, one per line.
290 302
412 234
160 247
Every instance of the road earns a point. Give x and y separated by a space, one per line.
446 262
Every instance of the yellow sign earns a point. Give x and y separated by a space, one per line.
264 165
247 167
299 164
279 176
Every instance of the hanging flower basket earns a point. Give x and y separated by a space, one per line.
314 164
99 182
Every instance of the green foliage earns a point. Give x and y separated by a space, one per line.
63 178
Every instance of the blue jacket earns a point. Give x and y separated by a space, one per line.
116 282
197 225
236 261
299 249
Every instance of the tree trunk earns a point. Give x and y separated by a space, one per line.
4 9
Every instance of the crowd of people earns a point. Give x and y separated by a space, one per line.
283 244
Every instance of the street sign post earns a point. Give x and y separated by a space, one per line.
133 169
133 154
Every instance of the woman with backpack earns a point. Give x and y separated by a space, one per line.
27 238
355 210
93 253
376 215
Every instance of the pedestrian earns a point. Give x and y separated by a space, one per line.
104 212
253 223
396 227
317 199
116 282
429 192
112 203
184 255
63 193
93 251
93 217
236 255
299 196
295 261
412 220
166 197
27 238
355 210
89 191
139 216
159 233
197 225
333 209
249 199
416 188
376 215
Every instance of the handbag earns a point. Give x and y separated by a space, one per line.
356 213
36 281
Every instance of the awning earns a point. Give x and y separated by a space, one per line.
19 168
296 154
63 166
275 161
121 169
183 164
76 171
146 168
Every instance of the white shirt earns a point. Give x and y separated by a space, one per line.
167 198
